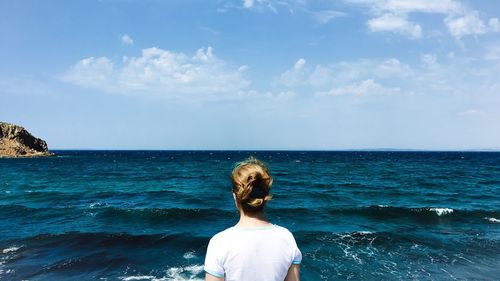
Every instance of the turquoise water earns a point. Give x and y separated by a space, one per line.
148 215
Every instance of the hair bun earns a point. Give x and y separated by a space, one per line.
251 184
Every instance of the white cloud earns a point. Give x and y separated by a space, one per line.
433 78
293 77
470 112
405 6
204 55
162 74
282 96
299 64
465 25
248 3
429 59
243 68
391 67
288 6
259 4
366 87
391 22
494 24
326 16
393 15
268 97
127 40
92 72
397 16
325 77
321 75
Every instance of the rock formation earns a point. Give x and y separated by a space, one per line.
15 141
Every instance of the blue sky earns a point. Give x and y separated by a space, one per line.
296 74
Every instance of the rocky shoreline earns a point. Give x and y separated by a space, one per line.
16 141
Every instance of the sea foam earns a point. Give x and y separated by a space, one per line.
183 273
97 205
189 255
441 211
492 220
10 250
362 232
137 277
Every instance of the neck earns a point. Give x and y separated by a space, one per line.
252 219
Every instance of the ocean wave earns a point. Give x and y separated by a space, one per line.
389 240
96 205
341 254
153 217
431 213
184 273
10 249
494 220
39 195
181 273
138 277
363 232
6 255
103 210
388 212
112 239
189 255
385 212
163 214
441 211
88 252
306 236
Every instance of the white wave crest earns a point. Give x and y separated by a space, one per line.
10 250
183 273
362 232
189 255
97 205
138 277
441 211
492 220
8 271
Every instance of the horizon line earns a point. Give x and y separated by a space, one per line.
291 150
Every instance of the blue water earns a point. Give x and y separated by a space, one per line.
148 215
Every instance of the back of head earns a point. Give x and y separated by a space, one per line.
251 184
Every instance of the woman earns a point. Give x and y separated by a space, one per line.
254 249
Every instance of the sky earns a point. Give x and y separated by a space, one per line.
253 74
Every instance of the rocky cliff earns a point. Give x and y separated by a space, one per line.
15 141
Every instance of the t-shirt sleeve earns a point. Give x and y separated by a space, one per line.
297 255
214 258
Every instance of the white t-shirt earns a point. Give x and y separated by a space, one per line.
252 253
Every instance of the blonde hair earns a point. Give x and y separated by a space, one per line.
251 184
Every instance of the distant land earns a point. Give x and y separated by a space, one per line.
16 141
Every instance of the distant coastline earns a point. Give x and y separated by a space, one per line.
16 141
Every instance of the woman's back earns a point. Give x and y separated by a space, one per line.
252 253
253 249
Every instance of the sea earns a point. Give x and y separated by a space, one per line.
148 215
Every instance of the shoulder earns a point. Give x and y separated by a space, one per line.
282 229
284 232
221 236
